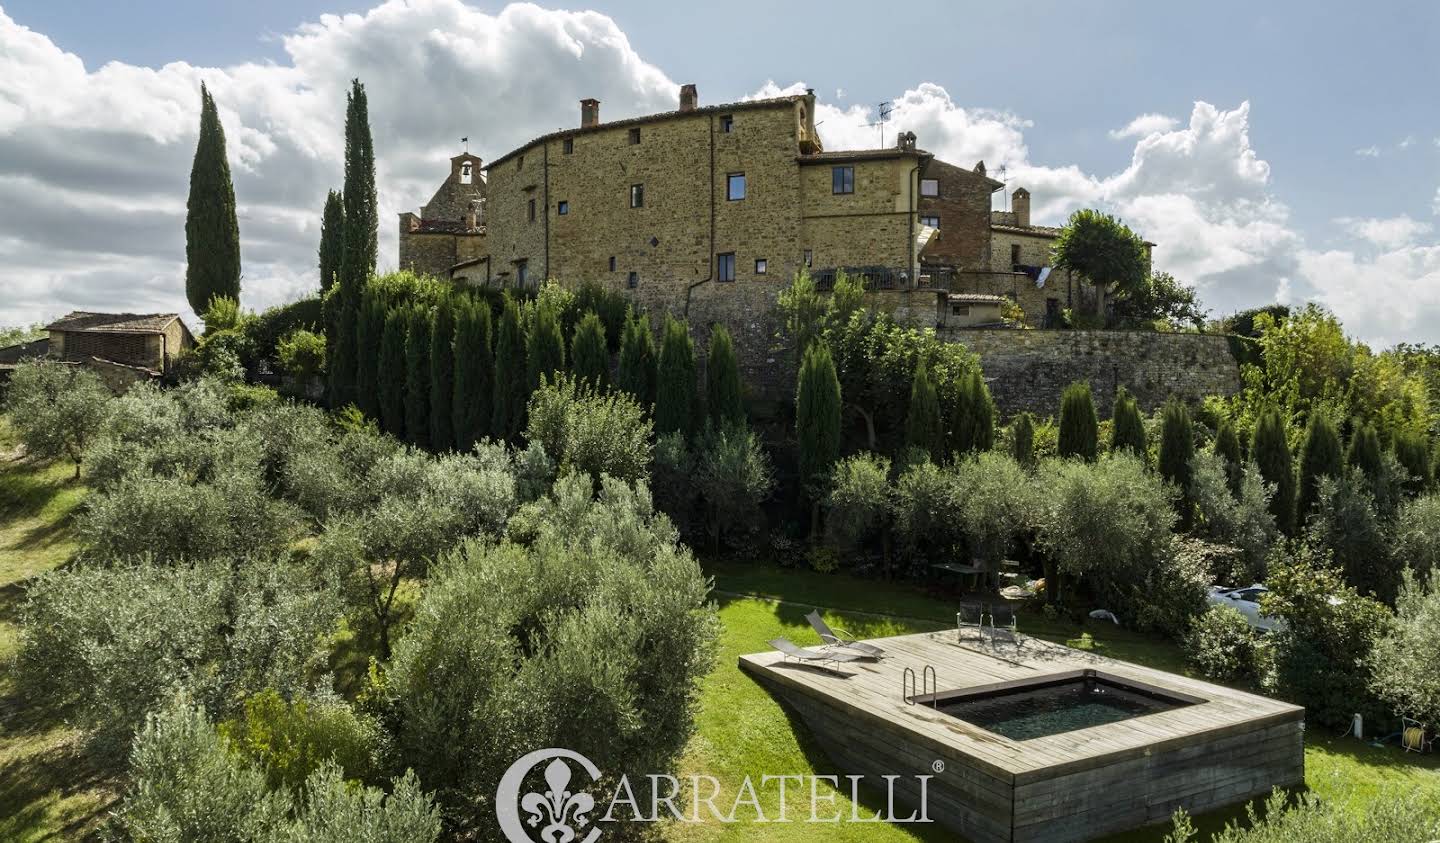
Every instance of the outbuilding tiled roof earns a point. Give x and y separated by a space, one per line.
1035 230
842 155
977 298
114 323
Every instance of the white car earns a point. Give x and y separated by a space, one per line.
1246 601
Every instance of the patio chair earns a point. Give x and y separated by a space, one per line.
839 638
827 658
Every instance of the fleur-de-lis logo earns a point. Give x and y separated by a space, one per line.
555 806
558 815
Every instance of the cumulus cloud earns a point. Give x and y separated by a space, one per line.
1145 125
1368 152
94 161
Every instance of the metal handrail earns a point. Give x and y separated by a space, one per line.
928 684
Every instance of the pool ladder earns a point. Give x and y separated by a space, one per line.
928 685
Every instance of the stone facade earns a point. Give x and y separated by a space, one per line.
961 205
450 228
149 341
1027 370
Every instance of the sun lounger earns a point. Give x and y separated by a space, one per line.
838 638
824 658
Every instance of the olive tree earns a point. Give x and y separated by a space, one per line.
56 408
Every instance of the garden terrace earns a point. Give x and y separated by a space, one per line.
1214 746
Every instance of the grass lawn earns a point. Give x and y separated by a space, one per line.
48 790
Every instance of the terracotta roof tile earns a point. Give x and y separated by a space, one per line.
114 323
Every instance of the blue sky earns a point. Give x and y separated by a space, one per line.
1312 171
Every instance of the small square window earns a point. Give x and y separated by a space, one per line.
637 195
612 263
530 210
842 180
932 221
568 145
929 187
727 123
725 267
634 135
735 186
809 257
632 280
761 265
562 207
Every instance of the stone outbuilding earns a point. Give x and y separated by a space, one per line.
150 341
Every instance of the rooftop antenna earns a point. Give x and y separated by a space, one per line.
1006 189
884 109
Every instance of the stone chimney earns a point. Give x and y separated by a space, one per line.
589 113
1020 203
689 97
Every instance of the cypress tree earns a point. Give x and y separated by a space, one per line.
1127 428
369 334
1271 452
1227 448
1364 453
391 372
442 375
637 362
924 428
817 416
474 373
510 392
589 357
675 397
1079 429
1320 456
982 413
212 234
332 239
357 257
1177 450
1413 452
544 348
1022 431
723 401
417 376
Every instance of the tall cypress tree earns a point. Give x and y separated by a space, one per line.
1320 456
369 334
212 234
332 239
391 372
1177 451
1271 452
1127 428
1364 453
589 356
1227 448
544 348
981 413
1079 429
924 429
357 258
637 373
510 374
474 373
442 375
817 416
723 402
675 397
1413 453
417 376
1022 432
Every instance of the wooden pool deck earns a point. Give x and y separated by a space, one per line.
1075 785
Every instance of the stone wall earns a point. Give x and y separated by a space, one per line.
963 206
1027 370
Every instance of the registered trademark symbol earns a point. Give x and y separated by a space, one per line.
938 766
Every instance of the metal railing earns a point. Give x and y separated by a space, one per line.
928 684
885 277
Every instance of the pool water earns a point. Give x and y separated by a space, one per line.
1022 714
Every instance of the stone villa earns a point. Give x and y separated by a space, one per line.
739 196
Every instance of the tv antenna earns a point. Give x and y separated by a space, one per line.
884 110
1006 189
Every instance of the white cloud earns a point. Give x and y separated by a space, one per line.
1387 233
1144 125
1435 204
1406 142
94 161
1368 152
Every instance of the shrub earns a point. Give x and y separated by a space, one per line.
544 346
115 641
290 740
589 356
1271 452
1404 672
1221 646
672 479
733 476
1227 448
1416 535
593 637
723 401
1177 447
302 354
858 504
1127 430
1022 434
1412 451
675 397
1174 590
1345 523
1364 453
1397 816
924 429
1320 456
995 497
590 433
925 501
637 373
1319 655
56 408
1241 520
1079 428
1107 522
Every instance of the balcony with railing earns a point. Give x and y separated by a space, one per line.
885 277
